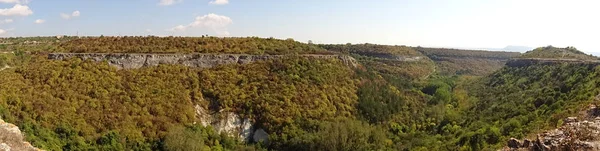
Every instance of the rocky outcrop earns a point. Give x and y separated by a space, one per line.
5 67
523 62
229 123
11 138
134 61
575 134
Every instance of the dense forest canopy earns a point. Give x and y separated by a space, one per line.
74 104
392 101
153 44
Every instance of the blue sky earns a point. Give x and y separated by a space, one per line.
434 23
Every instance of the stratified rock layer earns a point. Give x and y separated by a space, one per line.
134 61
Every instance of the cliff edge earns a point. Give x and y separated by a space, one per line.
134 61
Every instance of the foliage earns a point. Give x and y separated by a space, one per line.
153 44
521 100
466 62
337 135
197 137
554 52
75 104
373 50
388 60
448 52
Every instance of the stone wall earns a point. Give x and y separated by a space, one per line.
134 61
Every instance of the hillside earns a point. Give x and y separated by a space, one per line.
558 53
76 104
391 98
466 62
389 60
518 101
151 44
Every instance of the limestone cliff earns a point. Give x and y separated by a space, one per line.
134 61
11 138
231 124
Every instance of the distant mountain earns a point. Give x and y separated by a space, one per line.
509 48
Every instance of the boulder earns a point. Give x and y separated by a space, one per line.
260 136
514 143
570 119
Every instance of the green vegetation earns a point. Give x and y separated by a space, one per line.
152 44
373 50
558 53
12 59
520 100
32 44
388 60
467 62
446 52
393 101
74 104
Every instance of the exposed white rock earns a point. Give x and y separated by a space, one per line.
134 61
12 139
203 115
226 122
4 147
572 135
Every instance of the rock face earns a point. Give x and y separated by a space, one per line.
575 134
227 122
134 61
11 138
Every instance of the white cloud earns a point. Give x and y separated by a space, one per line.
72 15
6 21
148 30
65 16
17 10
2 31
219 2
217 23
75 14
168 2
15 1
9 1
39 21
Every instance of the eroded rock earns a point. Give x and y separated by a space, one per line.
574 134
134 61
261 135
11 138
226 122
